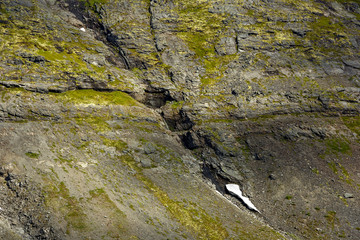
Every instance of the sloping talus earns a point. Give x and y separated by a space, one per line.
127 119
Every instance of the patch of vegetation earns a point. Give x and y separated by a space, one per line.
343 174
90 96
201 30
97 192
198 27
116 225
324 23
338 145
64 160
99 124
288 197
32 155
176 105
244 148
141 124
118 144
260 233
353 123
57 59
333 167
189 215
94 3
332 219
327 30
59 198
315 170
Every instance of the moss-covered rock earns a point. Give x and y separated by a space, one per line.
121 115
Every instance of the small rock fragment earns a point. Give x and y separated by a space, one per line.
348 195
272 176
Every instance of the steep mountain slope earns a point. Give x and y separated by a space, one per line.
125 119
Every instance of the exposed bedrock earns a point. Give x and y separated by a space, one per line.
127 119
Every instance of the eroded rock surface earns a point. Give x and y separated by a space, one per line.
119 119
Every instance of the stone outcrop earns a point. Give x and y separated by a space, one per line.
119 119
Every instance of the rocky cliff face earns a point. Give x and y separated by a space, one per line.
125 119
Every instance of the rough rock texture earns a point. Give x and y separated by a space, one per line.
119 119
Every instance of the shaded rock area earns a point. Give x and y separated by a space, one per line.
23 215
127 119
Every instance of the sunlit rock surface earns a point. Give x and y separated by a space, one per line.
121 119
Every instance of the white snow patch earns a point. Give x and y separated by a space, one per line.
82 29
234 189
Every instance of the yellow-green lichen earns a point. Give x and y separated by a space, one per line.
32 155
94 3
61 55
201 30
339 170
191 216
353 123
176 105
118 144
93 97
58 198
98 124
332 219
116 227
338 145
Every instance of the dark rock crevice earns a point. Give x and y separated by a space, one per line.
92 19
211 174
156 97
179 121
90 84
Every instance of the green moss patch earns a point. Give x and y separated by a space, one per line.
338 145
191 216
199 27
59 55
341 172
99 124
32 155
201 30
89 96
288 197
118 144
326 32
353 123
94 3
331 219
106 207
58 197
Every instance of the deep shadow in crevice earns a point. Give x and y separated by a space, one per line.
211 174
156 97
90 17
180 122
